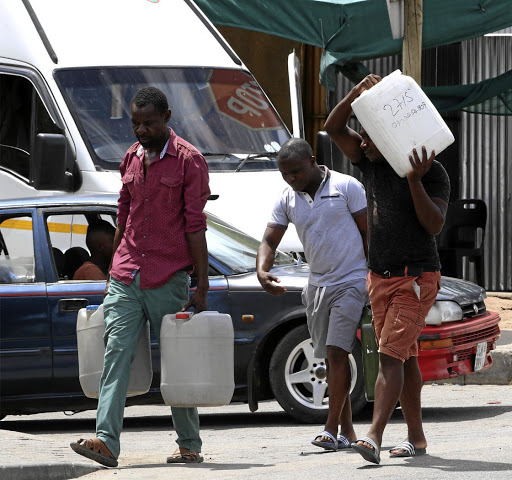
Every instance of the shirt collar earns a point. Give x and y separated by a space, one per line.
164 150
170 146
327 174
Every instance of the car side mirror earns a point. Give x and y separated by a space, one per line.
48 170
324 149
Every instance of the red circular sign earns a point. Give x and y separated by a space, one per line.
237 95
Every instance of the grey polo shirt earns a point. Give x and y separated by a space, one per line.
332 242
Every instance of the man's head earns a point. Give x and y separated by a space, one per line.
150 113
297 164
370 150
100 241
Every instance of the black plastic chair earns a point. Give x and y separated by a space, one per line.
463 236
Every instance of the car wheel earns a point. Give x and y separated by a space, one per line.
299 379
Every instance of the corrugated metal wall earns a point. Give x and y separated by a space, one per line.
484 145
486 159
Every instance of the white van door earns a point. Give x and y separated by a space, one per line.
296 96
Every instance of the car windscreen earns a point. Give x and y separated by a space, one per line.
222 112
235 249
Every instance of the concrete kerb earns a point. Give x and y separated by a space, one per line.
49 471
505 295
35 457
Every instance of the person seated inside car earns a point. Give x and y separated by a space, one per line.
74 258
100 242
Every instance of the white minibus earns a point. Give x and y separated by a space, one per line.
68 70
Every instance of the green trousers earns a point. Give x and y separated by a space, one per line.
126 309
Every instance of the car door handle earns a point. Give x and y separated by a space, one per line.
72 304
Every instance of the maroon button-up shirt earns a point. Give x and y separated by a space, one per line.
157 210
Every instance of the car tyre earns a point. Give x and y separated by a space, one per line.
299 382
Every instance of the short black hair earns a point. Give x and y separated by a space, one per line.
98 226
151 96
296 148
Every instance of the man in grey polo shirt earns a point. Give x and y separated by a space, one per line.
328 210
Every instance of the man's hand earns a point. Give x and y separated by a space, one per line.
366 83
420 166
265 260
198 301
268 282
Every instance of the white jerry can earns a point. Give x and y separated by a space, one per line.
197 364
398 116
90 328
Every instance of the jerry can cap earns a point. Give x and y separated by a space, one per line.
183 315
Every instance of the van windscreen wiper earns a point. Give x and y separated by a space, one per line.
252 156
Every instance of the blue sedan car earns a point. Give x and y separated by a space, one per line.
42 242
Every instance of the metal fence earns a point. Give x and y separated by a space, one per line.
486 159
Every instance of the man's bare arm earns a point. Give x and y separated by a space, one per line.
336 125
362 224
265 260
199 251
431 212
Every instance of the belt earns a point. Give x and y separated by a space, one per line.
406 271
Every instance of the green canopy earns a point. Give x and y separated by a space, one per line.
492 96
349 31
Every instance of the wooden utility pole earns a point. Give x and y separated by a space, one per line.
413 30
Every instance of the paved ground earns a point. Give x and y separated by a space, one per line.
468 429
269 438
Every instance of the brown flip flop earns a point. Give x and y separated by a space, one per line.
96 450
189 457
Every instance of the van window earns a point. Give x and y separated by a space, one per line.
16 250
22 116
222 112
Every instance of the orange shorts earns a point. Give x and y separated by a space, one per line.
399 307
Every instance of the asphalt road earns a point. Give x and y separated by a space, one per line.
469 430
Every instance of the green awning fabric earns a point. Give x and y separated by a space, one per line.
350 31
493 96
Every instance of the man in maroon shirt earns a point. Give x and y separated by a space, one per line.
159 237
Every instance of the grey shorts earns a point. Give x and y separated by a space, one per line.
333 314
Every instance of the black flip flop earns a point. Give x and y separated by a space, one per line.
409 450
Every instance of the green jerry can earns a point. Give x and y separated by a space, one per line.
370 353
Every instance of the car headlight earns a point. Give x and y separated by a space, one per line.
442 312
